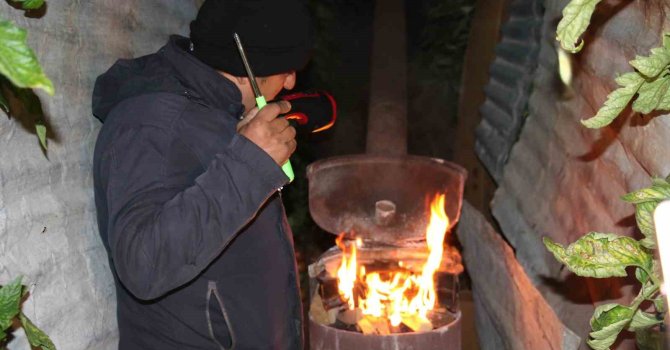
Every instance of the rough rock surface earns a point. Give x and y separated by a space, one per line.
563 180
48 231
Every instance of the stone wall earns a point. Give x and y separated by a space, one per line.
561 179
48 231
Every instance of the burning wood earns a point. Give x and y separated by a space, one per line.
417 323
382 295
374 325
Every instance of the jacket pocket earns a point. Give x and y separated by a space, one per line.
218 322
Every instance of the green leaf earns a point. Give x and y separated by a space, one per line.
41 131
30 4
3 103
607 322
649 339
651 94
654 193
36 337
576 17
659 304
643 320
654 64
10 298
18 62
644 215
659 181
600 255
641 275
617 100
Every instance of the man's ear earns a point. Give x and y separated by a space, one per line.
242 80
289 82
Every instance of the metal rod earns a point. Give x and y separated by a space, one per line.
247 67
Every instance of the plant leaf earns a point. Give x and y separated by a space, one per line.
18 62
659 304
30 4
655 193
607 322
576 18
617 100
641 275
600 255
654 64
659 181
651 94
649 339
643 320
41 131
3 103
36 337
644 215
10 298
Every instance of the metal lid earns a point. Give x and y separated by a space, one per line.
345 194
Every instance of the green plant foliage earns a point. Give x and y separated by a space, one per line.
606 255
644 216
643 320
30 4
10 300
655 193
10 309
600 255
18 61
607 322
41 131
36 337
617 100
3 103
576 18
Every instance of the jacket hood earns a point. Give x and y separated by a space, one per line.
172 69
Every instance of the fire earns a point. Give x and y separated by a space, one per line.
397 295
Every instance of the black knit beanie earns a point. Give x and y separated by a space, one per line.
277 35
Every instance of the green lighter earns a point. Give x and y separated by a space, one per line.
260 100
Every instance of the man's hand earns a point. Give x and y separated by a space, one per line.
273 135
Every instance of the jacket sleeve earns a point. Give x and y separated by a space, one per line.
163 232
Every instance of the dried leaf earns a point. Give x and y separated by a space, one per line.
600 255
617 100
18 61
576 18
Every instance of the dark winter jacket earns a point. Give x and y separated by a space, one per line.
189 211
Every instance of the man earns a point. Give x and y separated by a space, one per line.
188 196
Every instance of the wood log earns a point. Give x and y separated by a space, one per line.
350 317
417 323
374 325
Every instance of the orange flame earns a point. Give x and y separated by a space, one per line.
397 294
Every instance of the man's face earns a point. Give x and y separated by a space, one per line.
270 87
